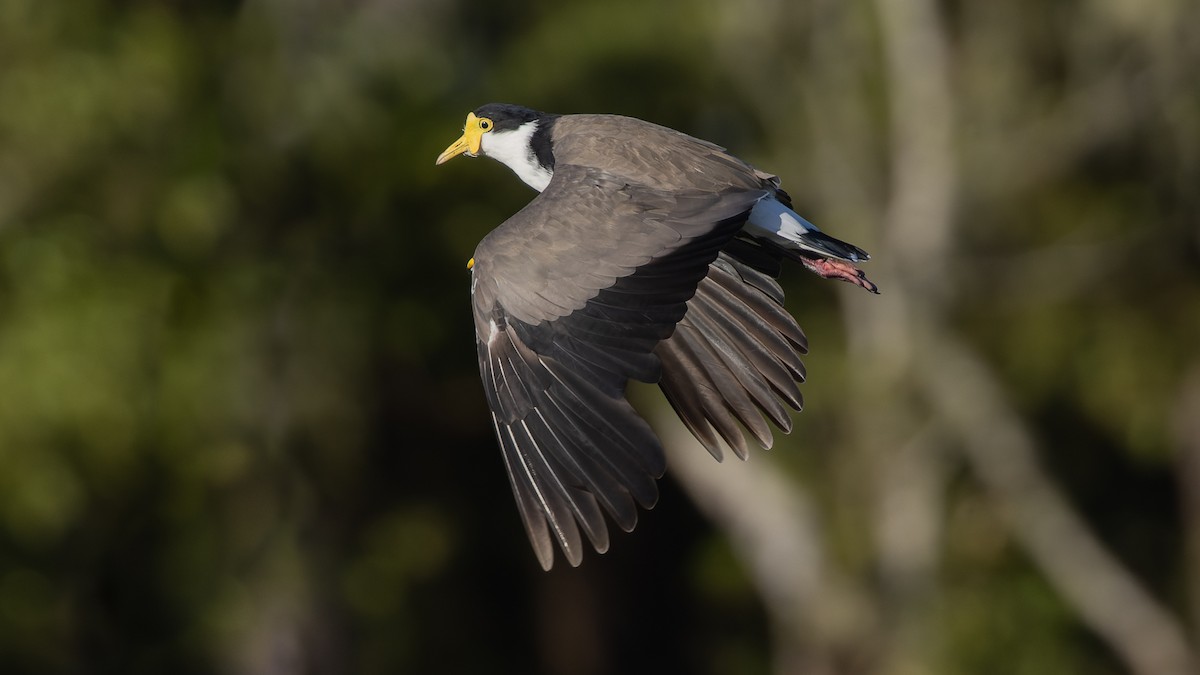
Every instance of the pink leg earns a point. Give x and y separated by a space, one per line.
839 269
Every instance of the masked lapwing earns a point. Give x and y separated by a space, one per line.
649 255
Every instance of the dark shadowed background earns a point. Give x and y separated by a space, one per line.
241 427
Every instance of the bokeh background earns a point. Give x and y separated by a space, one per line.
241 429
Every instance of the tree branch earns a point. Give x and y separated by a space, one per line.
771 525
1002 451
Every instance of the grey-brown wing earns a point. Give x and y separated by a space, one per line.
734 359
571 296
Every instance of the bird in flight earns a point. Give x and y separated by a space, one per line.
648 255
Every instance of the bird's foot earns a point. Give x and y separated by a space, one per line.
839 269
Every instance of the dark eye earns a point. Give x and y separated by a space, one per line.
485 124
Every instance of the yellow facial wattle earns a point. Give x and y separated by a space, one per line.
470 141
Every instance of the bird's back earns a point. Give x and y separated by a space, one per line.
648 154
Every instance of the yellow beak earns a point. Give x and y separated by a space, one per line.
467 143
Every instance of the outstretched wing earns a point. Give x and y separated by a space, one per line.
734 359
571 296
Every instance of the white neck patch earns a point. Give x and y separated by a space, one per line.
512 149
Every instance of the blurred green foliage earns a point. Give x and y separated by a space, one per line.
240 424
